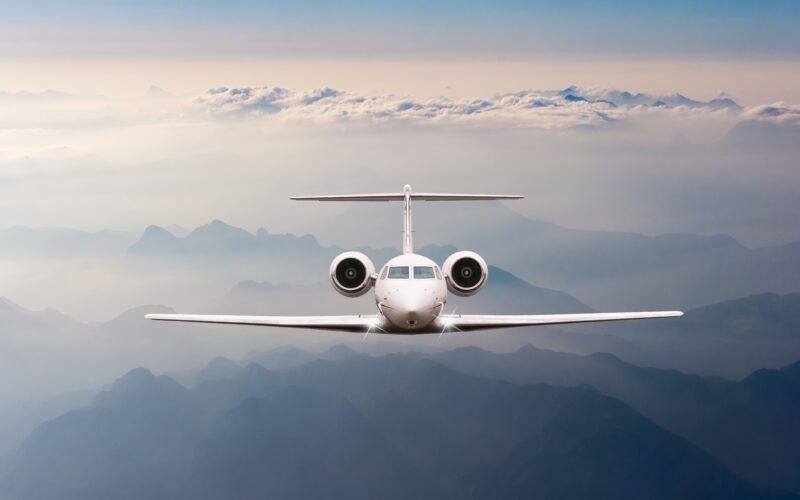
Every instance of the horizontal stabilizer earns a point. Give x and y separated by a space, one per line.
413 196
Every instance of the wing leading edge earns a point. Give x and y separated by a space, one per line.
357 323
458 322
413 196
468 322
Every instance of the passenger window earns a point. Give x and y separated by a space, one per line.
385 270
438 273
423 272
398 273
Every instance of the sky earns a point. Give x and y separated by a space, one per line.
124 114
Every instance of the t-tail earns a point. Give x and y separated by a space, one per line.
406 196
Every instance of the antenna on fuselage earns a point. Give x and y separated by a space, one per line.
406 196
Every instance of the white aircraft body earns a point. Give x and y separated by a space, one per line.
410 290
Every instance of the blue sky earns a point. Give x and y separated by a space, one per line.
730 29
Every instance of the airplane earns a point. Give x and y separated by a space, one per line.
410 290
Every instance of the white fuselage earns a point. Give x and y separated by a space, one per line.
410 293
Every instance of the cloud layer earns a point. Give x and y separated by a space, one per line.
570 107
778 113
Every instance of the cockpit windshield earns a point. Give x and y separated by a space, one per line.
423 272
398 273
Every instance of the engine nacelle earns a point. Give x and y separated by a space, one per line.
466 273
351 274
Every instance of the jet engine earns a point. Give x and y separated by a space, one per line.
466 273
352 274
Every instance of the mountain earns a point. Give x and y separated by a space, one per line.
503 293
358 427
732 338
579 456
218 238
606 269
142 428
704 410
281 358
282 451
602 268
155 92
792 372
708 411
761 317
219 368
609 270
156 240
625 98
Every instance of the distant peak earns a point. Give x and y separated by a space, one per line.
135 379
156 92
137 313
156 230
339 351
142 385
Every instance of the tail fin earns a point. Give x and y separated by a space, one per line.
407 195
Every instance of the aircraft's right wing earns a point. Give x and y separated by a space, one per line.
470 322
355 323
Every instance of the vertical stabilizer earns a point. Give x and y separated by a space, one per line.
408 232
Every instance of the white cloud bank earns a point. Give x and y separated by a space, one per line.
568 108
778 113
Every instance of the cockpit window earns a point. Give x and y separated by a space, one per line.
423 272
383 274
438 273
398 273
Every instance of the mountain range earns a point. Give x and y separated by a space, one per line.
361 427
708 411
604 269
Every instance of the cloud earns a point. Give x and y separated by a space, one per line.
571 107
778 113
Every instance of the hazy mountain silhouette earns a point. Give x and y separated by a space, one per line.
220 238
358 427
131 443
503 293
733 337
218 368
624 98
747 425
301 443
593 450
705 410
603 268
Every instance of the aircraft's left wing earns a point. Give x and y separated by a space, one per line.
356 323
469 322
